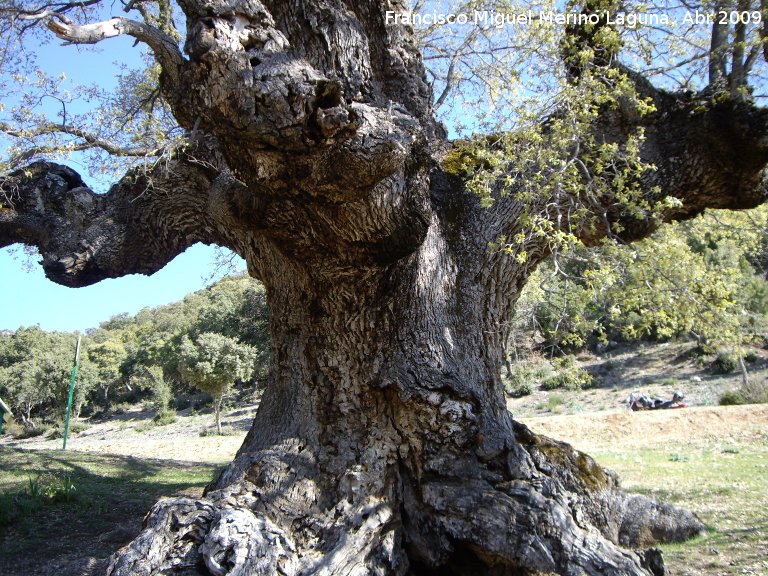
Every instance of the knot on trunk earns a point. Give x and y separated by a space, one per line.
239 543
183 535
247 73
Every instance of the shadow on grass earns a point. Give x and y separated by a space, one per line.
41 534
241 424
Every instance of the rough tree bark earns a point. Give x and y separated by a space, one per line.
382 444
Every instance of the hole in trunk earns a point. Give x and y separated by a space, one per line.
328 95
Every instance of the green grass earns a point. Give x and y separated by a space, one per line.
53 503
553 403
725 484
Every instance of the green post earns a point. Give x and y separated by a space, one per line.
71 393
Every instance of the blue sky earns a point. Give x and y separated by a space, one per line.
28 298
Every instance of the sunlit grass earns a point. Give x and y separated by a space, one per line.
55 502
725 484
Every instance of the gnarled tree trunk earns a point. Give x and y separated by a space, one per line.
382 444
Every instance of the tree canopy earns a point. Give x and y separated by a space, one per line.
212 363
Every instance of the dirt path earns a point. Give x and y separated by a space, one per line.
695 425
133 435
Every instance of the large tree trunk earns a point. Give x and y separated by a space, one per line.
383 445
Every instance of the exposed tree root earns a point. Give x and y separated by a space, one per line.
567 516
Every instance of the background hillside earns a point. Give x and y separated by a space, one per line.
584 322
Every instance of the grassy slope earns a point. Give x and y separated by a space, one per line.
64 513
727 486
713 460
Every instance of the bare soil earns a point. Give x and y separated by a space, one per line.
698 426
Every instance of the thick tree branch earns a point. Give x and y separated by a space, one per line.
143 222
699 152
706 150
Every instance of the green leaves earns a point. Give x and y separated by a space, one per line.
144 352
213 362
35 368
700 278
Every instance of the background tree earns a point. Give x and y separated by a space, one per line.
128 358
302 135
212 363
701 279
108 357
35 368
151 378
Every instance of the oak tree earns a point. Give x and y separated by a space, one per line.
213 362
302 135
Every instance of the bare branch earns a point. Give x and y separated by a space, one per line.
91 141
450 77
718 49
165 48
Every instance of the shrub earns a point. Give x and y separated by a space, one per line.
165 417
552 383
522 389
21 432
755 392
725 363
554 402
751 357
14 428
571 379
75 427
564 362
525 376
181 402
732 398
702 349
